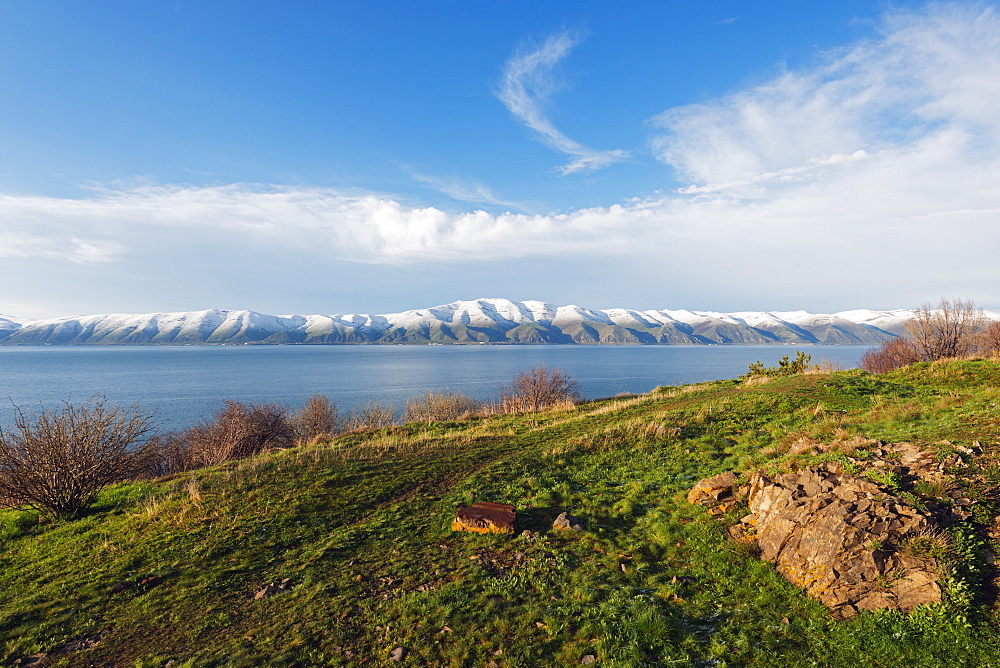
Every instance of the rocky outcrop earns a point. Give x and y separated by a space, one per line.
842 538
849 540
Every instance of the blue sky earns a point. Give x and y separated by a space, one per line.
336 157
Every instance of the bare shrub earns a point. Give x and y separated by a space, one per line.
373 415
440 406
988 340
167 454
890 355
318 420
57 461
948 329
539 388
237 431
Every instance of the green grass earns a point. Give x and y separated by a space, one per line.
361 525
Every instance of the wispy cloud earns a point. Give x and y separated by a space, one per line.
463 190
928 74
528 81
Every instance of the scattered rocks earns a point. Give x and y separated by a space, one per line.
485 517
278 586
398 654
567 522
42 659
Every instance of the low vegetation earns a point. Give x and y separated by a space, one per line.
950 329
335 548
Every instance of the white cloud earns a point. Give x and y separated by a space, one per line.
366 228
879 165
529 79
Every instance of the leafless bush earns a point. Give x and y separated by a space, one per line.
373 415
539 388
440 406
988 340
167 454
889 355
318 420
238 431
57 461
948 329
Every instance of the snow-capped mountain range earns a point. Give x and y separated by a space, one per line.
477 321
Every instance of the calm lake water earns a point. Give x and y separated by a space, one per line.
187 383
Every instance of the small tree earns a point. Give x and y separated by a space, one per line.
539 388
948 329
57 461
318 420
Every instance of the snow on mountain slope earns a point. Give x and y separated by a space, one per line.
9 323
479 320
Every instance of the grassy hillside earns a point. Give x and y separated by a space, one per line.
165 572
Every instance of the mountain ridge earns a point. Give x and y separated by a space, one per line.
486 320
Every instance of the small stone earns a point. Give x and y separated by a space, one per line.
119 587
565 521
276 587
398 654
588 660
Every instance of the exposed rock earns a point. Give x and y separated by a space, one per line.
588 660
34 661
485 517
838 536
716 493
398 654
567 522
276 587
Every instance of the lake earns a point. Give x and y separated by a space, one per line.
186 383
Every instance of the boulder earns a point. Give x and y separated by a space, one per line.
485 517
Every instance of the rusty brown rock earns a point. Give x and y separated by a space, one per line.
485 517
713 491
